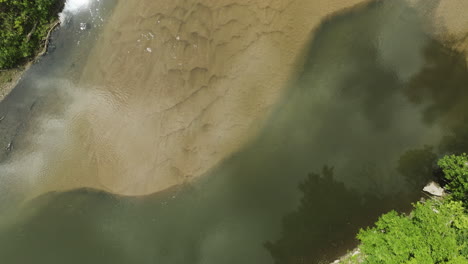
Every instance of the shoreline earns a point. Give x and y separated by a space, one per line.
431 191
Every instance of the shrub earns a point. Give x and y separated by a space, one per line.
455 170
435 232
23 25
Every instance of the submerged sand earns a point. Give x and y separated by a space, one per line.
172 88
179 86
452 21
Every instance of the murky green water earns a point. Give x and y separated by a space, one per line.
358 132
34 122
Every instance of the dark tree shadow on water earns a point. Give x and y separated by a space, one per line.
321 229
442 85
455 140
441 88
417 165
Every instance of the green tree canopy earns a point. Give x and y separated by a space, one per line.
455 170
435 232
23 25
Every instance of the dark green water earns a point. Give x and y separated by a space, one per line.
359 131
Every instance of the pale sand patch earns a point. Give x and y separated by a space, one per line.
184 84
452 17
447 20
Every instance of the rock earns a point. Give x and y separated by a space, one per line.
9 147
84 26
434 189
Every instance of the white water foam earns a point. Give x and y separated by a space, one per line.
73 7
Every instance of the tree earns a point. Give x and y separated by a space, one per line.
23 25
435 232
455 170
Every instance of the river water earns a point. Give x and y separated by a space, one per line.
371 103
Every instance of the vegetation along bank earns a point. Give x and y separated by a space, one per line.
436 231
24 29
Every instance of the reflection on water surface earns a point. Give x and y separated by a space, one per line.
355 135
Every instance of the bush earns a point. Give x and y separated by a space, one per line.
23 25
435 232
455 170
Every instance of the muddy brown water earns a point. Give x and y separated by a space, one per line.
373 102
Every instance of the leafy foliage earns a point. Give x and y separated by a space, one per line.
455 169
23 25
435 232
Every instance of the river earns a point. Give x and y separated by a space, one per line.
197 133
